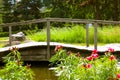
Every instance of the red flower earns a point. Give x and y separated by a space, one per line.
58 47
88 66
13 48
89 58
94 51
94 56
110 50
112 57
118 75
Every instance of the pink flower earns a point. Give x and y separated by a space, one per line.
94 56
110 50
118 75
89 58
94 51
112 57
88 66
58 47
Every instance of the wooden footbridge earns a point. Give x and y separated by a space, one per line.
43 50
37 51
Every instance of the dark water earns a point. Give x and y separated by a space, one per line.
41 71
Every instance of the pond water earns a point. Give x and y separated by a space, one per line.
41 71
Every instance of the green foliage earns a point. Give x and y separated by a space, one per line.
75 67
14 69
59 56
23 10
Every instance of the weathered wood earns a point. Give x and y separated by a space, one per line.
95 36
48 39
22 22
10 35
34 58
59 20
87 35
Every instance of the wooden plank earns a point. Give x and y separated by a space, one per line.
10 35
95 35
34 58
34 52
48 39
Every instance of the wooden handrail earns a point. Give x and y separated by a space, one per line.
59 20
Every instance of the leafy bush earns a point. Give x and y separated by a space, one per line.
14 69
94 67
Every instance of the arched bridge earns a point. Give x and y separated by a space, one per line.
37 51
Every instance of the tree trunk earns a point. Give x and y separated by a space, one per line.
115 10
97 11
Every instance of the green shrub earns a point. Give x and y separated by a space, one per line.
14 69
94 67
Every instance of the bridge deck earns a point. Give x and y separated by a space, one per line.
37 51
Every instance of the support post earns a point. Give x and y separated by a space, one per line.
10 35
48 39
87 35
95 35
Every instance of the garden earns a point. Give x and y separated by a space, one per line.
14 68
69 65
73 66
98 16
66 65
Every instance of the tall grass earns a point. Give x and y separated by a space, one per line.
109 34
77 34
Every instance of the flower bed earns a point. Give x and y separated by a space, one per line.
14 69
72 66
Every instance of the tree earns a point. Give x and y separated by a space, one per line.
7 11
28 9
22 10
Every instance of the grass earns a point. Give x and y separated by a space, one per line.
65 34
109 35
3 41
77 34
4 38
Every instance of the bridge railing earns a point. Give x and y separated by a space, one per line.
48 20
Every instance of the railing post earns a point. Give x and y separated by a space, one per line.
87 35
10 34
95 35
48 39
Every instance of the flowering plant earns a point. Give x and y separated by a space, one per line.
94 67
14 69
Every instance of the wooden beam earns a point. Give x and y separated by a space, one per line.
95 35
87 35
10 35
48 39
